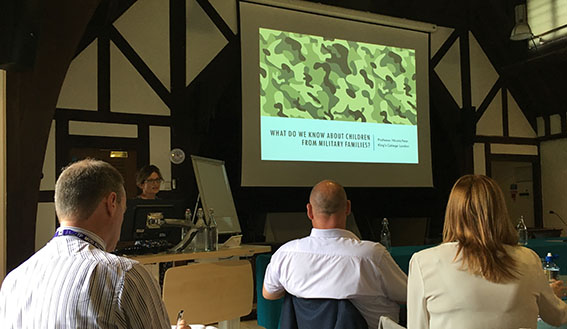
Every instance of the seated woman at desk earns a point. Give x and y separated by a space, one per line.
149 180
479 277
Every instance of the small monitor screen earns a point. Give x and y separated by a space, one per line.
135 226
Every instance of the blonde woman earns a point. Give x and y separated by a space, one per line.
479 277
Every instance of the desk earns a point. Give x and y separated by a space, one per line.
244 250
556 246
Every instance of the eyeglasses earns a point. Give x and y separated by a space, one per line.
152 181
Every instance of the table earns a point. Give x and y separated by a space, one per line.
245 250
208 256
557 246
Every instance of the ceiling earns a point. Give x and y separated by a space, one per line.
536 78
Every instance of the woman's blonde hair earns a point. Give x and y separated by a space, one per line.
477 218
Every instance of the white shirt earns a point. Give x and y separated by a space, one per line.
334 263
441 295
70 283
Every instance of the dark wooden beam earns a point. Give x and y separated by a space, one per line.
505 125
488 99
103 71
149 76
107 13
444 48
30 106
217 20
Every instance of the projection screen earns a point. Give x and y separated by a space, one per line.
329 98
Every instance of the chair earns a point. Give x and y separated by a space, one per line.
267 311
408 231
303 313
281 227
209 292
387 323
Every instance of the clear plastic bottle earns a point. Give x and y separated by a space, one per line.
201 239
184 230
213 231
385 238
522 232
550 269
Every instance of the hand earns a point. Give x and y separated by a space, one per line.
181 324
558 288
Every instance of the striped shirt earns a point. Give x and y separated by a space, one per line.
70 283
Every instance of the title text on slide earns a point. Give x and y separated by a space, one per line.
339 139
326 139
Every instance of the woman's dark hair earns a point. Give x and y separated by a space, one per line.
145 172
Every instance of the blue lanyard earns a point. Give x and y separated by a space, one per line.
79 235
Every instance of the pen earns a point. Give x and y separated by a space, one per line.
179 315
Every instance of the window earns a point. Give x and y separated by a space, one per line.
547 19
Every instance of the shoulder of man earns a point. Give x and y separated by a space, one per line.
293 245
121 262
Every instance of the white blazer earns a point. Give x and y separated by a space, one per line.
441 295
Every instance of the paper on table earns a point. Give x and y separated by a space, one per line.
232 242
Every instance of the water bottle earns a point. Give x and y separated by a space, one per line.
385 238
550 269
213 231
201 239
184 230
522 232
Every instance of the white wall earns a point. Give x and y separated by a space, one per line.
553 178
507 173
160 145
44 224
491 124
2 174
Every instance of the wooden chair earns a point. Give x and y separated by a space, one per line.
209 292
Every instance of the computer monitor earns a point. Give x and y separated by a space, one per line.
135 228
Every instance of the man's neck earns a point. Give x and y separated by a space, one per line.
85 225
329 222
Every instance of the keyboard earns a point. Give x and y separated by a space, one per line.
143 247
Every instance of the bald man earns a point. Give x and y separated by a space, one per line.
334 263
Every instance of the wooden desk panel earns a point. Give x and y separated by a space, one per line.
240 251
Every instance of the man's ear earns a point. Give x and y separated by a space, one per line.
347 207
111 203
310 211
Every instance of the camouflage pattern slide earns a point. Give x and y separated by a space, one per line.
312 77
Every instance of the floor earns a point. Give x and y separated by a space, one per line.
251 324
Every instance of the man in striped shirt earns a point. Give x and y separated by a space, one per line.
73 282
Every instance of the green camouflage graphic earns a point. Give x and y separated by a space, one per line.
311 77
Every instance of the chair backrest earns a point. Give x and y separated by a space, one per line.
267 311
281 227
316 313
387 323
408 231
209 292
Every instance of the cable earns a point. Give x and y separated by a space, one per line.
556 214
